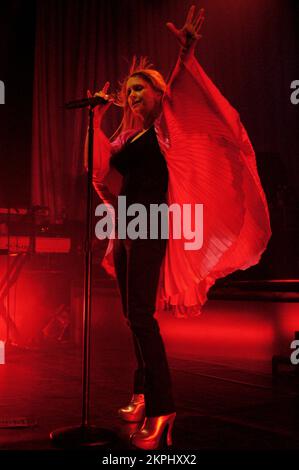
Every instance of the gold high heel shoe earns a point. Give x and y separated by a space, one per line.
152 433
135 411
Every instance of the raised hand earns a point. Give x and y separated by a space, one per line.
189 34
101 108
102 93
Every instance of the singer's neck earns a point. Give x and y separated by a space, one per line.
149 119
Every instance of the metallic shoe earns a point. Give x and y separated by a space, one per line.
155 433
135 411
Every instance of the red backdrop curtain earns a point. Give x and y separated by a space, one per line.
81 44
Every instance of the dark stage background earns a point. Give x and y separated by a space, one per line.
52 51
229 396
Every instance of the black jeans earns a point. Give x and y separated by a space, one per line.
137 265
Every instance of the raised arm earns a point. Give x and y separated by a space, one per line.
192 94
101 146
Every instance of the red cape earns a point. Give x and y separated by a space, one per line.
211 162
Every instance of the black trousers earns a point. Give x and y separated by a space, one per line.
137 265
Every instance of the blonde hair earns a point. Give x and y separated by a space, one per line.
144 69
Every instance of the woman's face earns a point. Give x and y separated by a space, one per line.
142 98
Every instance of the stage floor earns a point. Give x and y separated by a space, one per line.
219 406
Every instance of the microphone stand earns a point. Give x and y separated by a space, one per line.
85 435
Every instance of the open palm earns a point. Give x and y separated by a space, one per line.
189 34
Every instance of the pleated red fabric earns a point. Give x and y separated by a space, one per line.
211 162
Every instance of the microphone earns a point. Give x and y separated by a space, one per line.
93 101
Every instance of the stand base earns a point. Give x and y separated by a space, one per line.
82 437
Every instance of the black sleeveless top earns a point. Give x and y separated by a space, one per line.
144 170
